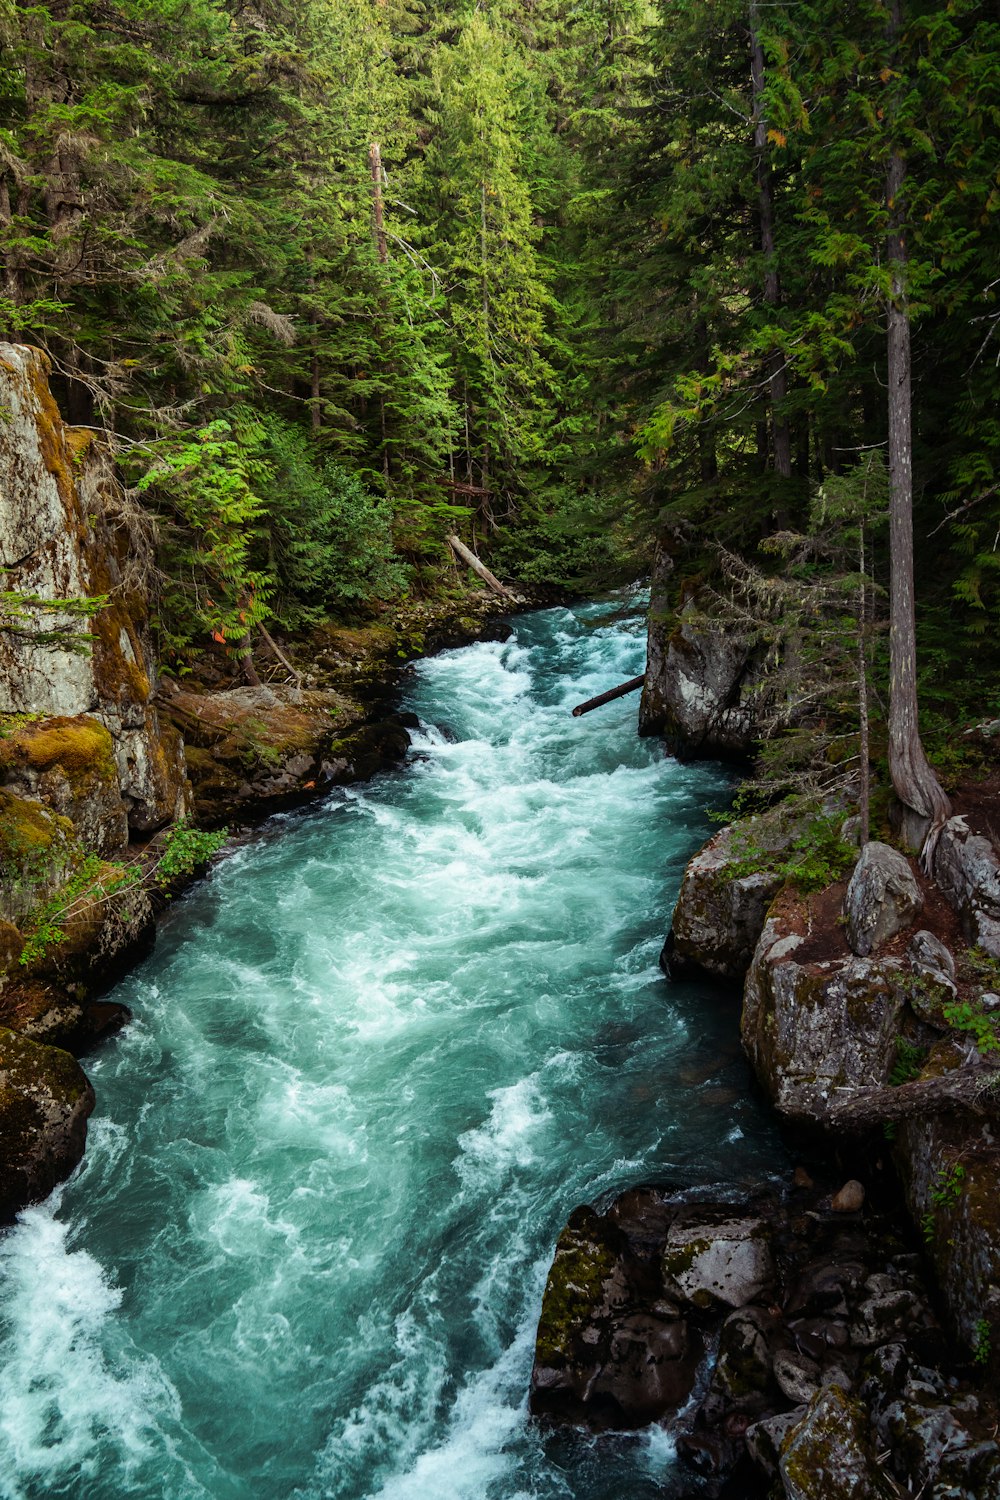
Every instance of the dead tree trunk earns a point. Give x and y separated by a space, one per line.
480 569
378 212
775 362
913 780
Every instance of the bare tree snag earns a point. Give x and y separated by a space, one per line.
378 212
463 553
775 362
913 780
279 655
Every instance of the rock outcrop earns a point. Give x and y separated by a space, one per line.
720 912
967 868
45 1101
817 1026
776 1332
69 532
251 750
87 764
863 1023
700 682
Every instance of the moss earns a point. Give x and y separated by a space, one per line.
677 1261
81 746
33 841
583 1262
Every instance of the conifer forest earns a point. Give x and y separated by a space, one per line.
574 279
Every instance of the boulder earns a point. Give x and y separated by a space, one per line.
719 914
817 1030
252 750
967 868
712 1257
45 1101
850 1199
603 1355
882 898
829 1454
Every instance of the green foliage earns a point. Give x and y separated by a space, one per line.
984 1029
908 1063
185 849
813 858
981 967
982 1346
327 540
22 614
949 1184
92 884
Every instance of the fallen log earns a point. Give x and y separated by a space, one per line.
972 1087
632 686
462 552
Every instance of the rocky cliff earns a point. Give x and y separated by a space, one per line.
87 763
792 1342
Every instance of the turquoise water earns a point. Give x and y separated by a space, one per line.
377 1058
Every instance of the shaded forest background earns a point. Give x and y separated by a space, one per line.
578 280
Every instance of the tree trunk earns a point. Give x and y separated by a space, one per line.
864 749
375 165
775 362
471 560
913 780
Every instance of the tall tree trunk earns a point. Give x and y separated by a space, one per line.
378 213
864 747
913 780
775 362
707 458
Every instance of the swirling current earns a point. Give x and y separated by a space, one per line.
377 1058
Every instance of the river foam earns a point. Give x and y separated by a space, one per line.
376 1061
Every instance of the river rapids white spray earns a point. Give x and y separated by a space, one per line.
377 1059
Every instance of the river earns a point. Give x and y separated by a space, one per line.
377 1058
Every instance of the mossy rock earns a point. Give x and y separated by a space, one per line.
38 850
81 746
45 1101
46 1013
584 1261
829 1455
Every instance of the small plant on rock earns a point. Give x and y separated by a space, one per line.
963 1016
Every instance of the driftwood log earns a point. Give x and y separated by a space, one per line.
463 553
633 684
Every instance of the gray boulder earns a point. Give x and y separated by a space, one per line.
882 898
711 1258
967 868
815 1031
719 914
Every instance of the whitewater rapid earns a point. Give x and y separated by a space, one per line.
377 1058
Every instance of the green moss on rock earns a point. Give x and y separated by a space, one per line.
583 1262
